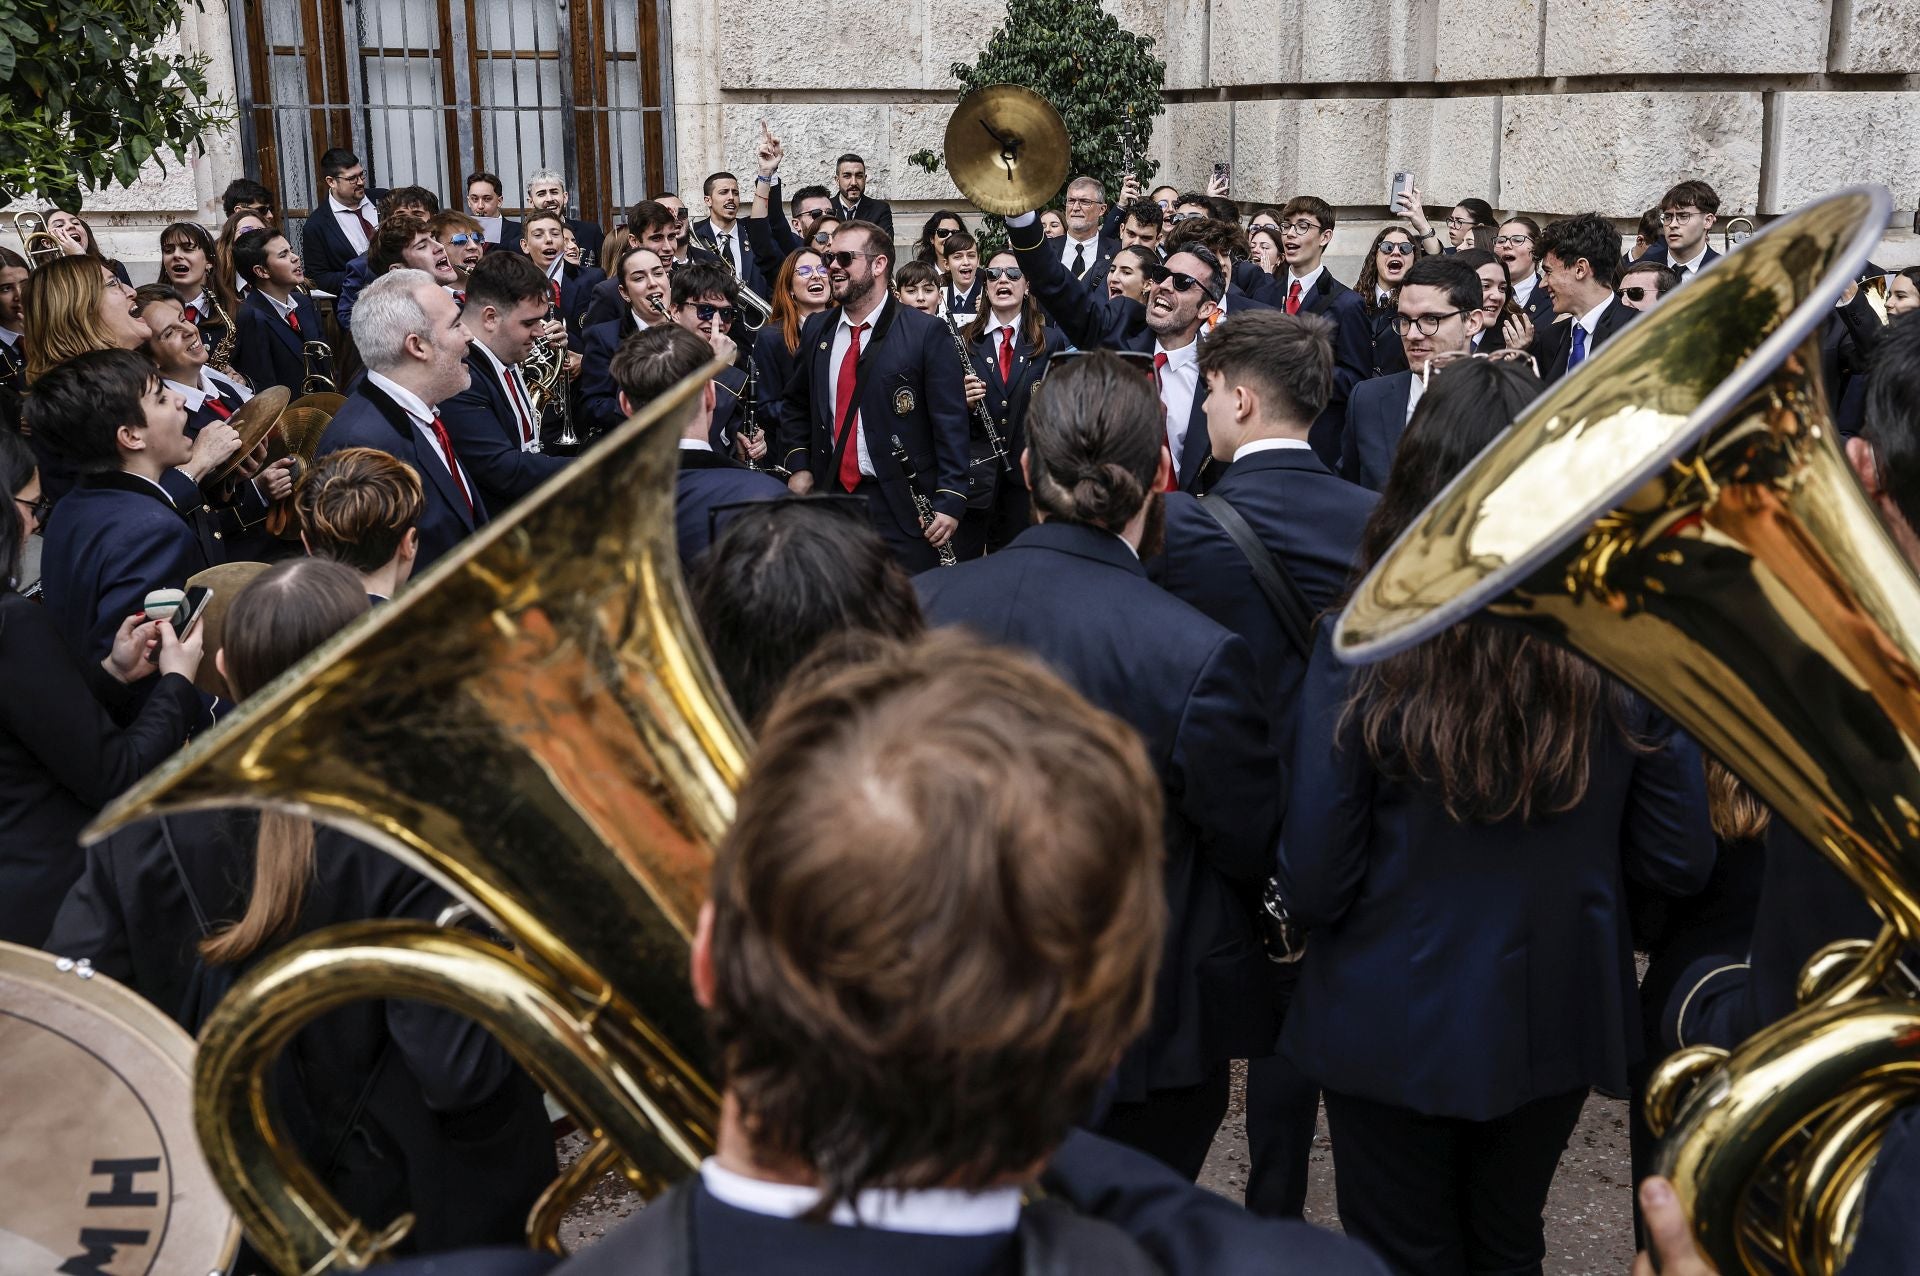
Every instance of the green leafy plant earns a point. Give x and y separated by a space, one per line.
85 98
1102 78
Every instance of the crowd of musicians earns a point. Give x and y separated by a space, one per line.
1017 560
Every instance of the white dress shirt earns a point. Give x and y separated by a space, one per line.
283 308
1307 283
526 427
842 334
1091 245
1523 290
1688 269
1270 445
730 238
422 416
994 327
212 384
1179 382
1413 395
164 494
936 1211
350 224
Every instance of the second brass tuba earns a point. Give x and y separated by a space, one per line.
536 725
1679 511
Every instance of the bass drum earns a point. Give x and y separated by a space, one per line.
99 1167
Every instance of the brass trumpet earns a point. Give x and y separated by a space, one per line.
37 243
1737 232
1679 511
537 725
314 381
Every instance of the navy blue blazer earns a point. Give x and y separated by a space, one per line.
877 211
605 303
370 418
1376 418
747 267
1091 320
1307 518
1806 903
576 293
109 542
486 438
910 388
706 481
1389 352
268 351
1353 355
325 249
358 275
1559 339
1079 599
1465 970
591 239
1258 285
1539 307
1099 260
509 237
1007 400
599 396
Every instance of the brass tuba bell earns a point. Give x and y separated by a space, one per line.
1679 511
536 725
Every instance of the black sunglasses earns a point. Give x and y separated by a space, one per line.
1181 281
726 314
945 231
1397 249
845 259
1004 272
1635 293
39 506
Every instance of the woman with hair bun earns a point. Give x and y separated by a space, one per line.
1072 591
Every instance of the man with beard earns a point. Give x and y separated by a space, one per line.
721 233
1073 592
852 204
877 406
1181 296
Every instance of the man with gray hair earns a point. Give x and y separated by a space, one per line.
548 189
1085 247
414 345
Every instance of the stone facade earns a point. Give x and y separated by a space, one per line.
1539 106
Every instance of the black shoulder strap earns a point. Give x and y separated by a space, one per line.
200 918
1055 1240
1269 573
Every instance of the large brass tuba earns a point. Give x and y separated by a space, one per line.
535 724
1679 510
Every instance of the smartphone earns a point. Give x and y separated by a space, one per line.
1222 171
191 610
1402 185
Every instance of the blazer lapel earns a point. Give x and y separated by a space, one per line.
425 457
292 340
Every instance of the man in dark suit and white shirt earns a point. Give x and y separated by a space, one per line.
547 190
495 429
1306 229
484 201
340 229
876 379
415 353
721 232
1579 261
1687 213
1438 314
1268 374
1084 248
852 204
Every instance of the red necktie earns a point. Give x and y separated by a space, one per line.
459 298
1006 355
556 294
191 314
293 320
218 408
843 413
439 428
1293 297
366 227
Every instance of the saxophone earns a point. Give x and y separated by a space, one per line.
222 356
921 505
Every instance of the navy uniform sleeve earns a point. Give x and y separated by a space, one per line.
1667 838
1352 345
945 387
1323 856
1224 767
793 437
490 457
1088 320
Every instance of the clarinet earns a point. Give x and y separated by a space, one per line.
921 505
750 416
980 408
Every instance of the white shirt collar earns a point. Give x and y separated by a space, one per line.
339 207
1381 296
927 1211
1591 320
994 326
194 395
1307 281
640 317
1189 353
1523 289
198 301
873 317
1269 445
164 494
9 336
282 308
499 368
414 405
699 445
1691 267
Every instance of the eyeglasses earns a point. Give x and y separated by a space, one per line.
1004 272
461 239
1637 293
807 272
1082 200
1512 241
1272 226
1397 249
39 507
1428 324
822 238
1440 361
1679 215
1462 223
707 314
1180 281
1302 227
845 259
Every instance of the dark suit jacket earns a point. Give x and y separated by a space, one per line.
1091 320
1559 339
1539 308
576 292
877 211
451 1128
1007 399
1100 253
1258 285
748 267
509 237
486 438
370 418
727 419
1376 418
1352 353
910 388
599 396
1307 518
1389 352
603 304
62 758
325 249
590 238
110 541
1495 961
708 480
269 352
1079 599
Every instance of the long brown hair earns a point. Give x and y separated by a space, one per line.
786 311
1498 723
1369 281
61 305
284 613
225 270
1736 811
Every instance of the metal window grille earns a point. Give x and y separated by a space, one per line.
428 91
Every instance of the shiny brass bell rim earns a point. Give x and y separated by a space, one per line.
1374 625
1006 149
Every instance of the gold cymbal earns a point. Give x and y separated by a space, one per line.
305 420
1006 149
255 420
